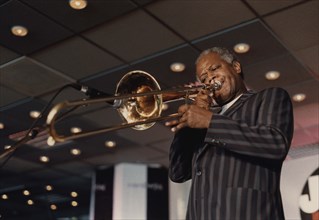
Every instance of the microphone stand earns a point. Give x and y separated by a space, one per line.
29 136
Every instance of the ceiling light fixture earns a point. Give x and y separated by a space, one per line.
48 187
164 106
26 192
30 202
299 97
53 207
75 130
110 144
4 196
75 151
241 48
44 159
7 147
177 67
19 30
50 141
1 125
272 75
74 203
34 114
74 194
78 4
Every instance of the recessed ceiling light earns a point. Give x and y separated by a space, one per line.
177 67
78 4
74 194
26 192
19 31
75 151
299 97
50 141
241 48
164 106
74 203
34 114
48 187
44 159
30 202
75 130
1 125
7 147
53 207
4 196
272 75
110 144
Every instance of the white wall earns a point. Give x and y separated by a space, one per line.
295 174
178 199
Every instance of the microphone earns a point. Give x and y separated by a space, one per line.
94 93
90 92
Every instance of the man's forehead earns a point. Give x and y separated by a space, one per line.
208 60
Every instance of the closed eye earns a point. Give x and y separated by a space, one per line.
213 68
203 77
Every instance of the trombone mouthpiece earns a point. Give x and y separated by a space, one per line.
217 85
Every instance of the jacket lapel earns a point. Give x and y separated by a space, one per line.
238 103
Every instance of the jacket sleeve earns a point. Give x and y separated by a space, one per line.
184 144
268 134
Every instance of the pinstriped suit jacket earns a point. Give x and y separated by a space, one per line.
235 164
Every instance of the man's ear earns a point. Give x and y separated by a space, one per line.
237 66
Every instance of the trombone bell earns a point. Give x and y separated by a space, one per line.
139 108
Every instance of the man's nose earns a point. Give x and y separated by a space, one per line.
211 77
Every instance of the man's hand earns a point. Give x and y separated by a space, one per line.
192 116
203 99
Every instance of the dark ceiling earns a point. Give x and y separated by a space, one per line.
97 46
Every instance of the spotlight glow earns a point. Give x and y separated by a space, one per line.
50 141
53 207
74 203
78 4
110 144
177 67
34 114
299 97
48 187
272 75
26 192
19 31
44 159
74 194
75 130
241 48
75 151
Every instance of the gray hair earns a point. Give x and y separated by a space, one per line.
224 53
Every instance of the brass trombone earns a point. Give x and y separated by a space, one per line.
138 99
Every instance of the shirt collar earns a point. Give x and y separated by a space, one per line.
227 106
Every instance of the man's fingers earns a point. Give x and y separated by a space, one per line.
171 123
178 127
182 109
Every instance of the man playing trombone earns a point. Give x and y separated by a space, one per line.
233 157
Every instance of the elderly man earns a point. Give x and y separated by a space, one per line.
233 157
